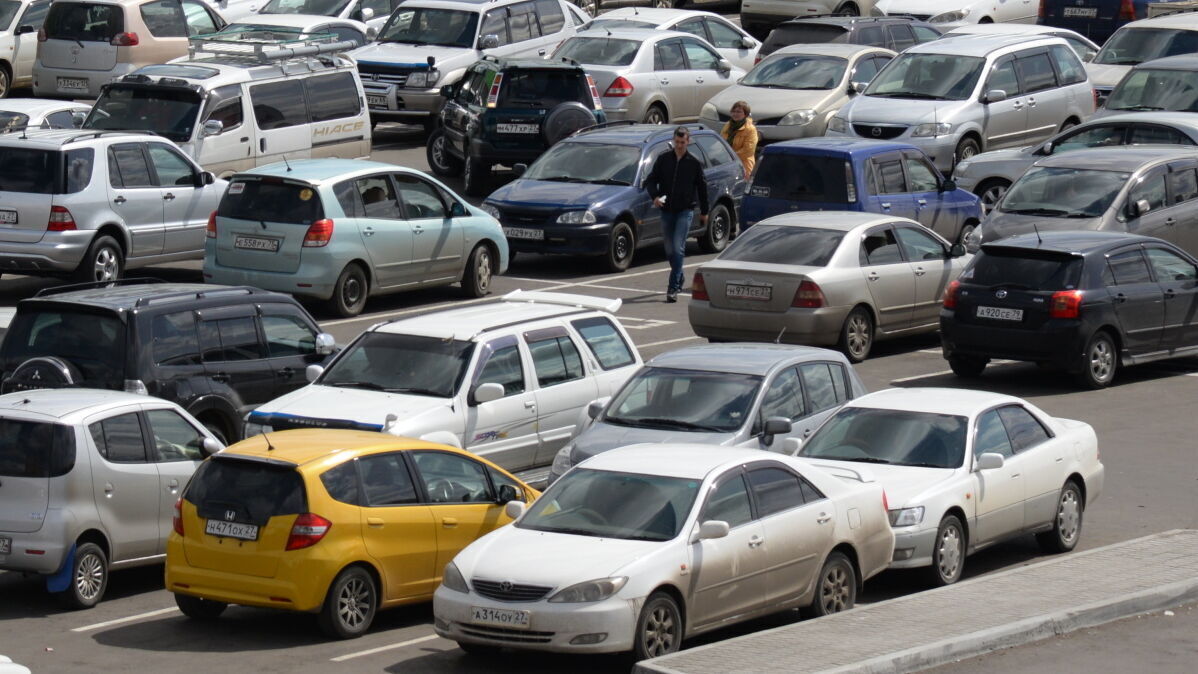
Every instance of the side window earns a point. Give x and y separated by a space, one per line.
224 106
420 199
1145 134
729 503
605 341
199 20
1095 136
347 196
920 245
495 23
520 23
1022 428
342 483
890 175
1170 266
549 12
784 397
901 36
880 247
127 166
821 389
378 198
872 36
1128 268
499 479
810 493
451 478
230 339
172 169
504 367
35 15
991 436
119 439
63 119
668 56
173 339
1183 185
1068 64
865 70
920 174
692 26
386 481
1036 72
700 56
556 360
775 490
175 439
924 34
1150 188
164 18
287 333
469 91
723 36
1003 77
333 96
716 151
278 105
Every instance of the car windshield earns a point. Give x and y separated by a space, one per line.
802 177
996 266
426 26
684 400
599 51
587 163
313 7
932 77
609 504
8 10
100 358
12 121
168 112
799 246
1061 192
1132 46
1153 89
381 361
898 437
797 71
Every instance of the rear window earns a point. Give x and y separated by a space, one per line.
1019 269
801 178
45 171
802 33
37 331
600 51
542 88
261 200
35 449
84 21
12 121
255 491
803 246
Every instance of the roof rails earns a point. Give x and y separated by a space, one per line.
200 294
44 292
611 306
91 135
265 46
605 125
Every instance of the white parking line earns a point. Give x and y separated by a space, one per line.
129 619
939 373
380 649
667 341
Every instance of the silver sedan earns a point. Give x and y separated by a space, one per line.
825 278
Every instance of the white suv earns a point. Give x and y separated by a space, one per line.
508 380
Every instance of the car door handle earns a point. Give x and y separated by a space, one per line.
369 231
823 518
1170 221
873 276
1170 293
664 81
806 432
919 271
220 378
168 197
173 484
528 404
922 202
245 139
699 80
1120 298
418 229
119 200
885 204
1015 475
262 144
1018 105
374 521
541 52
449 522
287 373
756 541
108 488
1031 102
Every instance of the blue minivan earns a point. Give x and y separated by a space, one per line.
1096 19
846 174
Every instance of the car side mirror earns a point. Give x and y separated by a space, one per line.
21 30
948 185
724 66
1140 208
489 41
596 408
508 493
313 372
371 33
775 426
746 43
210 446
207 178
519 169
990 461
446 91
994 96
365 14
514 509
956 250
457 210
325 344
211 127
487 392
713 529
791 446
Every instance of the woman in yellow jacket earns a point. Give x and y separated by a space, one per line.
742 135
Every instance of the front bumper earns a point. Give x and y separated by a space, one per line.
816 327
388 102
45 80
562 239
1058 341
56 253
913 548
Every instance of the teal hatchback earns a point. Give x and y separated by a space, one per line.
342 230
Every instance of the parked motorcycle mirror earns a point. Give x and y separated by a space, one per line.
313 372
989 461
514 509
595 408
210 446
325 344
487 392
994 96
775 426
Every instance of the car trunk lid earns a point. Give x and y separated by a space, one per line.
1013 288
262 223
754 286
31 454
79 36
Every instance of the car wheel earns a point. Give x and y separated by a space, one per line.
968 147
199 609
948 552
990 192
350 604
479 650
5 81
849 9
350 291
102 262
659 627
476 281
719 228
857 335
475 175
656 114
89 578
440 160
968 366
837 590
966 230
1099 361
620 248
1067 124
1067 525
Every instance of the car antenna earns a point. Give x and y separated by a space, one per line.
269 446
287 163
778 339
1039 241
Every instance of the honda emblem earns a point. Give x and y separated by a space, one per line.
229 515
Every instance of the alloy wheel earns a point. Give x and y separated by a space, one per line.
835 590
949 552
438 152
858 336
991 197
89 577
660 632
354 603
1102 360
1069 516
105 265
483 270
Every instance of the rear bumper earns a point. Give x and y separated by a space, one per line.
816 327
56 253
49 546
1058 341
45 80
299 585
483 150
316 276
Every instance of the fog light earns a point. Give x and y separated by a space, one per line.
903 553
585 639
440 624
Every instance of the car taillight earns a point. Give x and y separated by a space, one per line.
594 93
318 234
850 184
757 59
699 288
307 531
619 88
885 502
1095 92
124 40
1127 10
212 225
60 220
950 295
808 296
178 518
1042 12
41 35
1065 304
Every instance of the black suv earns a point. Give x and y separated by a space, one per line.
217 351
508 112
888 32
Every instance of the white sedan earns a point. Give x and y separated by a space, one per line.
643 546
946 14
40 113
730 40
964 470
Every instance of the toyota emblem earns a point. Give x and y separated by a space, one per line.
229 515
877 131
506 586
1000 294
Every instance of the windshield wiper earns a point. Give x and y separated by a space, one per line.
417 391
355 384
564 530
858 459
1011 286
609 181
1036 211
676 423
1140 108
911 94
922 465
562 179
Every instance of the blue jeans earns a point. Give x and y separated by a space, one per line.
675 225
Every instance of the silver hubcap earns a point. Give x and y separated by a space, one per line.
483 271
1102 360
858 336
105 265
3 84
351 291
659 633
991 197
353 605
89 577
949 553
439 152
835 592
1069 516
967 151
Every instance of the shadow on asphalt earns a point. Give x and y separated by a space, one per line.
25 596
1027 380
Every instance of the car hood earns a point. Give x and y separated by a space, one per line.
768 103
1102 75
875 110
368 408
929 7
547 194
905 486
1000 225
601 437
395 53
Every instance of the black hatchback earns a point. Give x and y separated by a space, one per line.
1086 302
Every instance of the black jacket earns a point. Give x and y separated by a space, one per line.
678 180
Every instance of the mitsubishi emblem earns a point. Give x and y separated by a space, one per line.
229 515
506 586
36 376
1000 294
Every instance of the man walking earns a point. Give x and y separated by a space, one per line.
675 178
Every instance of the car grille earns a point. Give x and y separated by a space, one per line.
919 17
883 132
504 634
384 74
509 591
523 218
767 121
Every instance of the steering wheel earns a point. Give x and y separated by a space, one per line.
441 491
590 515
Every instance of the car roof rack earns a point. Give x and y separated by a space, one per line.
91 135
611 306
44 292
200 294
265 46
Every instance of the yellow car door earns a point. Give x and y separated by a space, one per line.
397 529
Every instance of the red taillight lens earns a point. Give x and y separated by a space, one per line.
60 220
950 295
757 59
41 35
307 531
319 234
699 288
808 296
619 88
124 40
1065 304
1127 11
885 502
212 225
178 519
1095 92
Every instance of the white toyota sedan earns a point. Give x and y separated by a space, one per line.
638 548
963 470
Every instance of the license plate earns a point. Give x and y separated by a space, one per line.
71 84
8 217
256 243
246 532
377 101
747 292
1000 314
1085 12
5 546
523 233
518 128
499 617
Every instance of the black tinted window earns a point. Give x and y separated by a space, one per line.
34 449
901 36
1023 429
84 21
279 104
26 170
716 150
821 386
256 200
810 493
556 360
804 33
605 341
871 35
991 436
386 480
804 246
729 503
77 170
119 439
127 167
880 247
173 339
332 96
795 177
1129 267
253 490
1035 272
47 332
543 88
669 57
342 482
1036 72
230 339
889 174
775 490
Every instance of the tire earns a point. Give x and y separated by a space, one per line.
990 192
837 588
475 177
620 248
948 552
350 292
968 147
479 650
656 115
5 81
476 280
103 261
89 578
199 609
719 229
857 335
440 159
849 9
658 628
1067 124
564 119
969 367
1067 523
217 428
966 229
1099 361
350 605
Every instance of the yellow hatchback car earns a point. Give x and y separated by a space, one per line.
338 523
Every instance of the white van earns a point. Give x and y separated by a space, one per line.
238 102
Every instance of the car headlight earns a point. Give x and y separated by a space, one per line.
932 129
490 210
562 462
576 218
797 118
591 590
961 166
950 17
709 111
417 79
452 579
906 517
838 125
